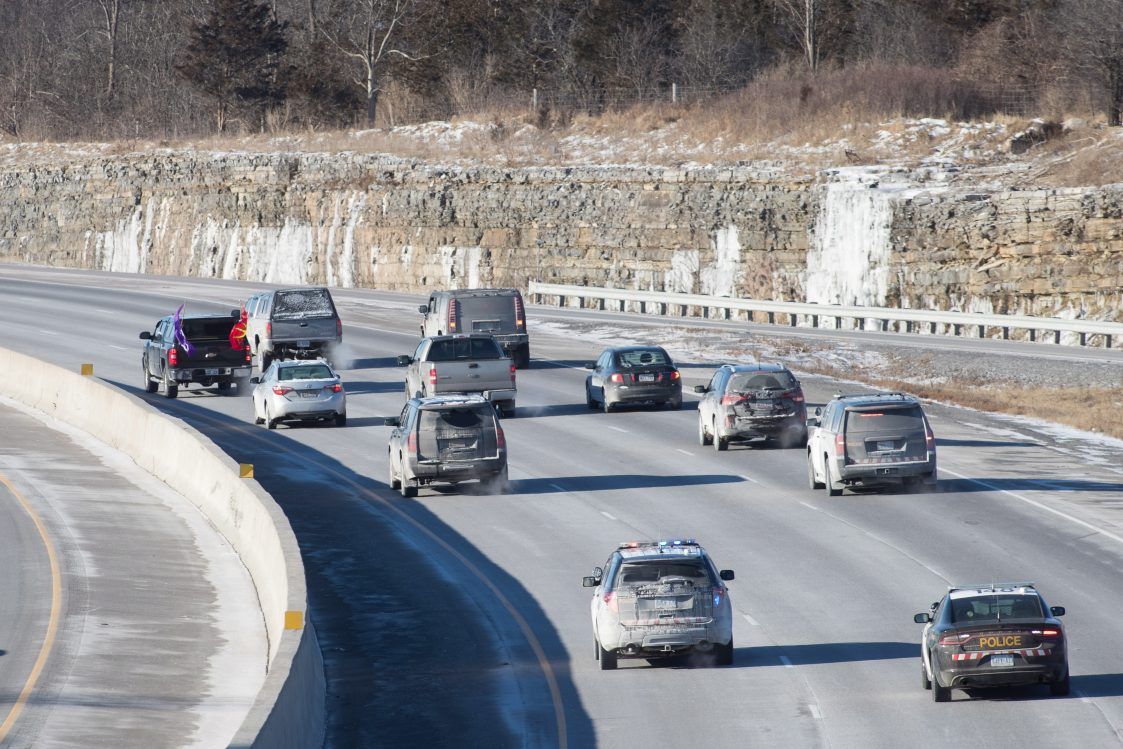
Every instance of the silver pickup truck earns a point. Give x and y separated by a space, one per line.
461 364
292 324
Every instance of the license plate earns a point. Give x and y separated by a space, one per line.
886 446
1002 661
212 371
647 378
309 393
303 344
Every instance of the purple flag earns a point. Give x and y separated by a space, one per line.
178 335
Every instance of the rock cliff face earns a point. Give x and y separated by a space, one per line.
853 236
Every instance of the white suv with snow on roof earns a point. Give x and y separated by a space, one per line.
658 599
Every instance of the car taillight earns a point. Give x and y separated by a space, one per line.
249 355
411 443
513 368
1048 634
337 388
500 437
617 377
839 445
610 601
520 313
795 395
675 375
729 400
433 375
268 330
719 593
339 328
953 639
173 356
281 389
929 438
452 316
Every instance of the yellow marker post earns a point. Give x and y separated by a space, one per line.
294 620
245 470
88 370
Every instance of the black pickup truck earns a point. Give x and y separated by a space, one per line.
202 355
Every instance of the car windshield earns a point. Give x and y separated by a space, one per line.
642 358
906 419
472 417
748 381
302 304
650 571
305 372
464 348
995 607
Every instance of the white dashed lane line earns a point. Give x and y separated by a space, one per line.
750 620
815 711
750 479
618 429
685 452
786 661
608 515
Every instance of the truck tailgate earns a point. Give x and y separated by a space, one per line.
318 330
470 376
210 354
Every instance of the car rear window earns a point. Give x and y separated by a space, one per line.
748 381
302 304
499 307
305 372
457 418
992 608
644 572
464 348
199 329
905 419
642 358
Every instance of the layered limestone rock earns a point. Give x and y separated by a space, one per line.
856 236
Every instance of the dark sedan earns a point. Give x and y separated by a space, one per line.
633 375
994 635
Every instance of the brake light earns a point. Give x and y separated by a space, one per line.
520 313
839 445
249 355
338 328
173 356
513 368
281 389
729 400
451 315
268 330
675 375
718 594
433 375
929 438
500 437
337 388
954 639
795 395
617 377
411 443
610 602
1049 634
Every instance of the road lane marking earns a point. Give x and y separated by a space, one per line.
1034 503
815 711
750 620
44 331
608 515
52 621
618 429
810 507
119 348
786 661
685 452
750 479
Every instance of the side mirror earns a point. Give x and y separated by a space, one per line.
423 309
590 582
814 422
922 618
590 365
393 421
1057 610
146 336
700 389
236 314
818 410
405 360
255 380
726 575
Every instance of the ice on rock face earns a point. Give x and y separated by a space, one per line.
848 262
720 278
684 265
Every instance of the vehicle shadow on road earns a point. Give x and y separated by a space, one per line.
405 625
826 652
373 363
1014 483
1098 685
611 481
364 387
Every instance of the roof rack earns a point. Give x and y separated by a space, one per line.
992 586
842 396
661 543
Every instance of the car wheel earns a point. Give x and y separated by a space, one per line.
223 386
924 680
592 404
242 384
256 419
498 484
341 419
704 438
150 385
607 659
606 405
720 443
940 694
265 360
812 481
269 422
394 482
833 489
507 413
675 404
171 390
522 357
723 654
409 488
1061 688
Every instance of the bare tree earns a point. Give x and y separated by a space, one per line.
805 19
1092 40
111 14
369 33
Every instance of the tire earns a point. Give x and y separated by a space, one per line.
675 404
269 422
723 654
498 484
924 680
150 385
721 444
704 439
265 360
409 488
257 419
1061 688
833 489
223 386
170 390
592 404
243 385
507 413
607 659
799 440
341 419
940 694
394 482
522 357
812 482
606 405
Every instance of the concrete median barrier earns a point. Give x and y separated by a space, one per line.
289 711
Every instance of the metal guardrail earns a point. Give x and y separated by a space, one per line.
955 322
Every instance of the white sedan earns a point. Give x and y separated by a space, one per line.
299 391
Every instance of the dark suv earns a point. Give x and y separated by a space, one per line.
870 440
752 402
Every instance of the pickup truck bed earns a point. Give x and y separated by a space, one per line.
461 364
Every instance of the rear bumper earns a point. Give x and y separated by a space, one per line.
464 470
868 474
200 374
749 427
292 347
312 408
643 393
1043 670
510 342
654 642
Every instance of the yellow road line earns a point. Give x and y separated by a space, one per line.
52 624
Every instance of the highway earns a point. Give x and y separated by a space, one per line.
459 619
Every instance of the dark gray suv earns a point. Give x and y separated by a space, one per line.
868 441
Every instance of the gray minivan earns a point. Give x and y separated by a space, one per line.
497 312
